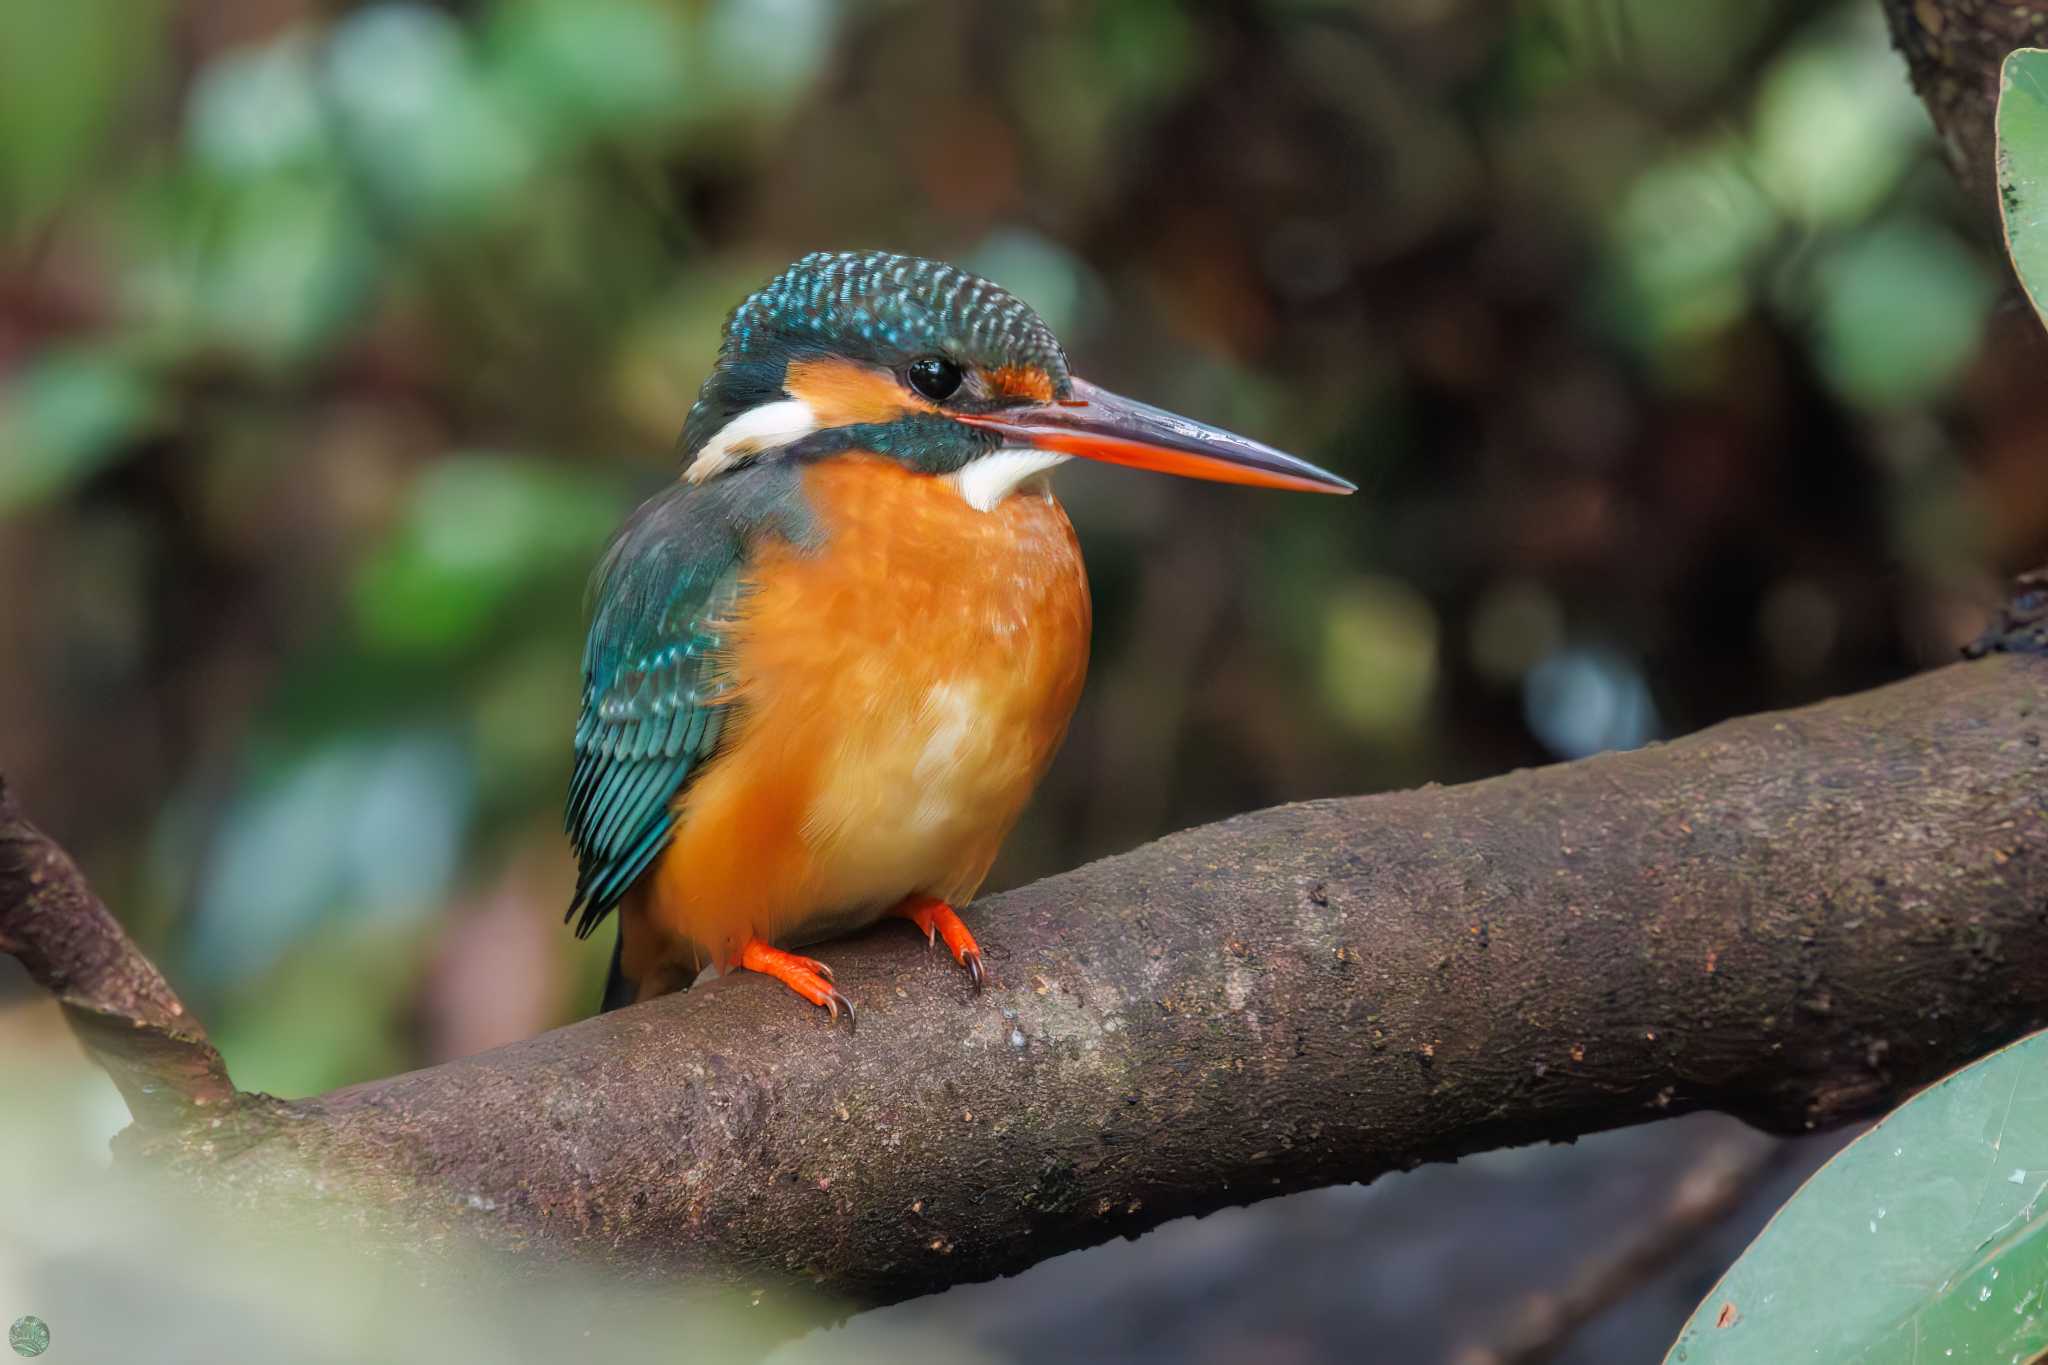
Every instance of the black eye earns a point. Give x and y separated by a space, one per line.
936 377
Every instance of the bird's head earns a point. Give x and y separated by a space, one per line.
944 371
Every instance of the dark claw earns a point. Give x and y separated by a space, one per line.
837 1002
821 969
971 960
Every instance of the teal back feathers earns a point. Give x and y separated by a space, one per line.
655 703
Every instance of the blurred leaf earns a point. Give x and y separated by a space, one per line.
584 67
1380 658
1900 311
1515 626
2023 168
1689 232
256 110
1146 50
478 530
767 52
63 417
285 264
1667 53
1835 127
522 711
65 70
433 142
369 825
329 1013
1924 1240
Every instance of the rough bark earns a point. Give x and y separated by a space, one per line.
1954 49
1796 918
115 999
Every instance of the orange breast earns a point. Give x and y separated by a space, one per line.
902 691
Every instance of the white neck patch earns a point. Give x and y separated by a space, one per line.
986 481
753 431
981 483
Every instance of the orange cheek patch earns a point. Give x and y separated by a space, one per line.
1020 381
843 393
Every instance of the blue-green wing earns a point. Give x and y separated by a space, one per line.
654 698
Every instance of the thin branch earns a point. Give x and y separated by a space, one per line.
117 1002
1712 1187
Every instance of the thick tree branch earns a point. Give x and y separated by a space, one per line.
1796 918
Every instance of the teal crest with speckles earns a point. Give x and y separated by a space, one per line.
899 304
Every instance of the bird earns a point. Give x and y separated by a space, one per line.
827 665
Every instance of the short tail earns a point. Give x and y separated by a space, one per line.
618 991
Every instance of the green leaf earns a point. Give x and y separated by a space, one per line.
66 72
331 1012
584 68
1926 1239
1834 129
423 130
256 110
479 533
764 54
1898 312
2023 168
62 418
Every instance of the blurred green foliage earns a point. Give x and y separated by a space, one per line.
334 340
201 1279
65 71
478 532
65 414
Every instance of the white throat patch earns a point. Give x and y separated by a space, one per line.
750 433
987 481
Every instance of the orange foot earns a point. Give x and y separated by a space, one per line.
806 976
934 916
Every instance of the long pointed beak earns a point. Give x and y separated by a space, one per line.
1099 425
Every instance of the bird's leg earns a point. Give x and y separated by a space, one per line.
934 916
806 976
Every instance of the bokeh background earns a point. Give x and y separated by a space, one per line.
1678 379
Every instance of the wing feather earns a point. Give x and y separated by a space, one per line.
655 693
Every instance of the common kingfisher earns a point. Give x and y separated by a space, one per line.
827 665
